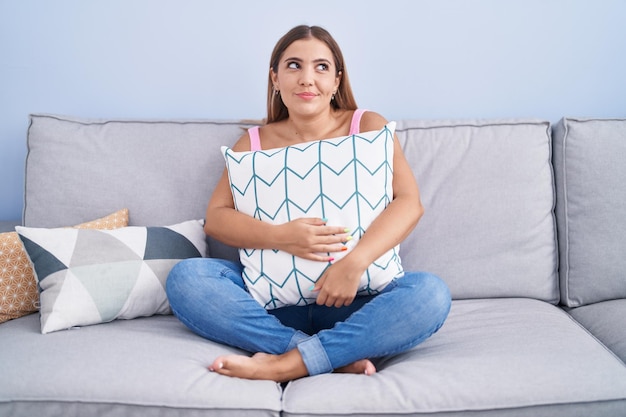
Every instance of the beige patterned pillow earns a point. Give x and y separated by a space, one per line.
18 287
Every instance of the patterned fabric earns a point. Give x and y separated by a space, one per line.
347 180
18 288
96 276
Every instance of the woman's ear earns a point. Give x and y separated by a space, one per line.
338 79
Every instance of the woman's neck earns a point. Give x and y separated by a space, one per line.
320 126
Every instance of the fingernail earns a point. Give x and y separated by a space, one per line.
344 249
346 230
349 238
331 259
312 287
325 220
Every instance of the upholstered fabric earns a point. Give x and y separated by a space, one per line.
486 186
163 170
347 180
503 357
605 320
146 367
590 168
488 231
95 276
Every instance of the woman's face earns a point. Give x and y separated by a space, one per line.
306 77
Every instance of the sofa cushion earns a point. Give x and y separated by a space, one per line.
144 367
605 320
95 276
488 229
500 357
589 157
18 289
164 171
347 180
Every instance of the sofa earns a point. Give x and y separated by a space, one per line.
524 220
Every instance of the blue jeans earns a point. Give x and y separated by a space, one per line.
209 296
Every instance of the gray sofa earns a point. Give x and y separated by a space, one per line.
524 220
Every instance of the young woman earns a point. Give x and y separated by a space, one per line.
309 98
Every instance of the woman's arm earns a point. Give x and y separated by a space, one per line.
401 216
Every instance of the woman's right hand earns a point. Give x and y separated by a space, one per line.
310 238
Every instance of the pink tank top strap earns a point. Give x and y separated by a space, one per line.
255 138
355 126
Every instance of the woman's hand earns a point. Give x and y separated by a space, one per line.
338 285
311 238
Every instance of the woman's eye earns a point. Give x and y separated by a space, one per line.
322 67
293 65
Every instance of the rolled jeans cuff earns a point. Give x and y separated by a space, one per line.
314 356
297 338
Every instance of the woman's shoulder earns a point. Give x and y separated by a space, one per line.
273 129
243 143
371 120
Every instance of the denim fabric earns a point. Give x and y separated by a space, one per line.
210 297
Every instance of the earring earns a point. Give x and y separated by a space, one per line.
276 90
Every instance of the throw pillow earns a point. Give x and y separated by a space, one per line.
347 180
96 276
18 288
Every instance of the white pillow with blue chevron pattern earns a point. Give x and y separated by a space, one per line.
347 180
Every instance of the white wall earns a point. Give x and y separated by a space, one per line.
209 59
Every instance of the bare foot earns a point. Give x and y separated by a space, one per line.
363 366
279 368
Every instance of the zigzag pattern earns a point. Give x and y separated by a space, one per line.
347 180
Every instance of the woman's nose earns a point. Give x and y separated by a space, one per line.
306 79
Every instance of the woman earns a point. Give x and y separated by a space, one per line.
309 98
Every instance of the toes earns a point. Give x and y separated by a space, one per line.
217 365
364 366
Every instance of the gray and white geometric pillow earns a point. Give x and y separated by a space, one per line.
95 276
347 180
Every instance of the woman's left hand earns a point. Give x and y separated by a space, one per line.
339 284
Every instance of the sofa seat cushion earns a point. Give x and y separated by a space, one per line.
144 367
605 321
491 357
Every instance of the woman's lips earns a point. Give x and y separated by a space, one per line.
307 96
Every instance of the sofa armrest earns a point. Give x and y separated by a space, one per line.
9 225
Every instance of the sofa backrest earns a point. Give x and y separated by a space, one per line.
162 171
487 187
590 171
